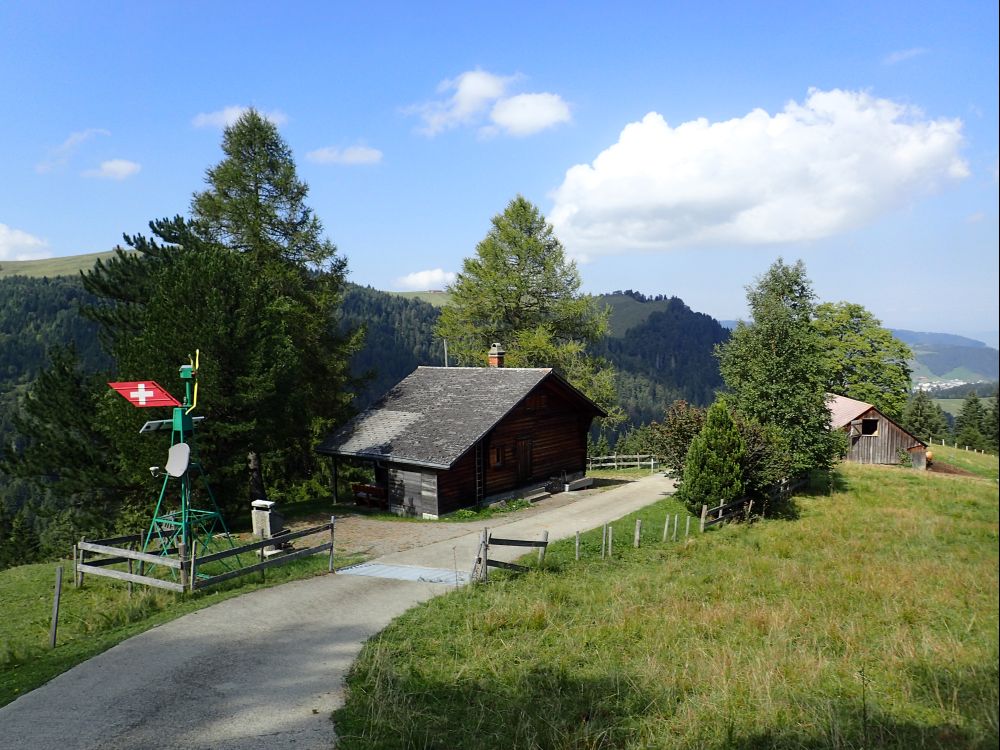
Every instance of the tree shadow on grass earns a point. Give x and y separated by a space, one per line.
536 707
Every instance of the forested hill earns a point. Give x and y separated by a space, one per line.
662 349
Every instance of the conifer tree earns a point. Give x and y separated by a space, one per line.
990 423
713 472
970 422
923 418
521 291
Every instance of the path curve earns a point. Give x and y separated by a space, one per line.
263 670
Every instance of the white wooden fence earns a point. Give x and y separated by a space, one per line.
623 461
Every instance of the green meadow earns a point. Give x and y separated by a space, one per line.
867 617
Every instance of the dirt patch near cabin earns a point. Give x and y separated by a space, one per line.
374 537
938 467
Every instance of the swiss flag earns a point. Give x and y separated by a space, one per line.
145 393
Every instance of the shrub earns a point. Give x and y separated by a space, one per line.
713 471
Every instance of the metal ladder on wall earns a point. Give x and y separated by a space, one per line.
479 472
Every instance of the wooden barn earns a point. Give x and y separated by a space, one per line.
873 437
451 437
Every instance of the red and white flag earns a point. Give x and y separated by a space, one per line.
145 393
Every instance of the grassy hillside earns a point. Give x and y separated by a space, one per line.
70 265
984 465
868 621
953 406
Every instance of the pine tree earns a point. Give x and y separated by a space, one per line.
519 290
990 424
923 418
970 422
713 472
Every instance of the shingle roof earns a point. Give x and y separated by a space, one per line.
844 409
434 415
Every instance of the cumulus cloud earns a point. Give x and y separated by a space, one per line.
902 55
227 116
527 114
479 98
60 155
349 155
18 245
114 169
832 163
420 281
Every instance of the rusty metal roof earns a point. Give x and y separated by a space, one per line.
844 409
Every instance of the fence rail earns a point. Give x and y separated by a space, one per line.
186 565
742 506
482 563
623 461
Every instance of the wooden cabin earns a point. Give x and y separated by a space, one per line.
452 437
873 437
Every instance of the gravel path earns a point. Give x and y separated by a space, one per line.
264 670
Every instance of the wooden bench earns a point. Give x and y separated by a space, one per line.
369 494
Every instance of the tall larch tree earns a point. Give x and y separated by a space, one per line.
520 290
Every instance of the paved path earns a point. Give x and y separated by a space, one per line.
263 670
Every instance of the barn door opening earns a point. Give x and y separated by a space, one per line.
522 450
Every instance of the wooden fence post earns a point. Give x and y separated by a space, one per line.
638 532
79 575
130 573
333 521
193 582
677 522
611 547
541 550
486 553
260 557
76 583
578 545
666 528
55 608
182 553
687 527
704 512
604 540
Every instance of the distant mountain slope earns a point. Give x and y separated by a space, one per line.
70 265
927 339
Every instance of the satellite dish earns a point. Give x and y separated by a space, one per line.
178 459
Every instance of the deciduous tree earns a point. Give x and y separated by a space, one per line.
863 360
776 369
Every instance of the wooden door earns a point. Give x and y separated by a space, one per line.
522 451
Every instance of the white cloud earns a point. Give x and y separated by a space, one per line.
420 281
834 162
114 169
18 245
227 116
902 55
527 114
349 155
473 91
480 99
60 155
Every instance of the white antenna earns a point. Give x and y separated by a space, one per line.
445 352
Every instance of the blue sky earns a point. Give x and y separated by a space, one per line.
678 148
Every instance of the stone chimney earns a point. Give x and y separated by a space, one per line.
496 355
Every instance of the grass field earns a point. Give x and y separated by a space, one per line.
94 618
869 620
953 406
66 266
437 299
983 465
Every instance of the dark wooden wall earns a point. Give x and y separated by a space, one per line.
550 424
883 447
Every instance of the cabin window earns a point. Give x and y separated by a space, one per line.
869 427
497 456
